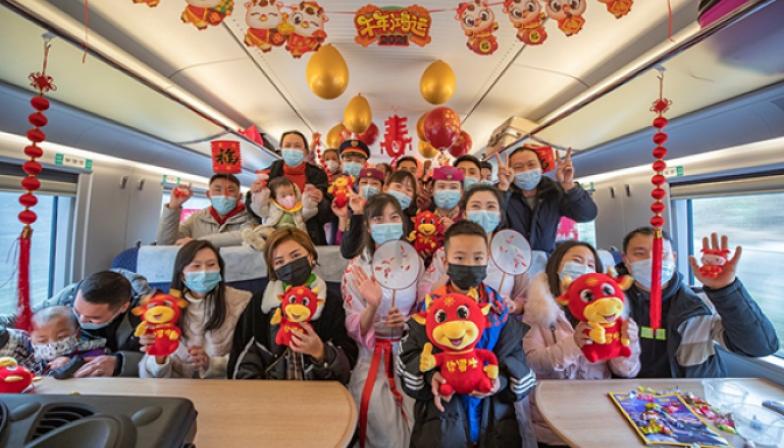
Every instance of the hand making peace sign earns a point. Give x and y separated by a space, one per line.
564 171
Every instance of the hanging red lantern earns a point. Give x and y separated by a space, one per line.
660 106
442 127
42 83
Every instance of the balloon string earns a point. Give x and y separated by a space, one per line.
86 20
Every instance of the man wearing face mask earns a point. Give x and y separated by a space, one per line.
354 155
220 223
535 203
102 304
471 169
685 345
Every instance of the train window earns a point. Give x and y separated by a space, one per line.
51 234
568 229
753 221
194 204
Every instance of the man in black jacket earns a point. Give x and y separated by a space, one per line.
534 203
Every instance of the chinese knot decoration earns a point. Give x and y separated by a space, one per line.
42 83
226 157
392 27
660 106
396 138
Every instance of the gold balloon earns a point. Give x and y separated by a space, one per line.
357 117
427 150
421 127
327 73
335 136
438 82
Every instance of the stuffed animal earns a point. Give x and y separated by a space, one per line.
203 13
305 28
264 18
713 261
160 314
568 14
598 299
527 16
14 379
340 189
618 8
454 324
478 22
428 233
298 304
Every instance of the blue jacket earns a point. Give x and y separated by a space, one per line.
693 328
540 224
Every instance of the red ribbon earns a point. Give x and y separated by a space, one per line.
383 348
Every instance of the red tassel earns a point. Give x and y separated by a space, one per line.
25 312
656 286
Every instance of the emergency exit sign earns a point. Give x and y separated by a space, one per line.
61 159
674 171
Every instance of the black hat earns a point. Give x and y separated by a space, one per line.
355 146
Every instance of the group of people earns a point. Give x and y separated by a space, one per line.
361 337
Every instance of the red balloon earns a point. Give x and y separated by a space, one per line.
32 167
27 217
657 221
39 103
31 183
659 152
442 127
462 146
657 207
33 151
36 135
658 193
37 119
659 165
659 138
370 135
660 122
28 200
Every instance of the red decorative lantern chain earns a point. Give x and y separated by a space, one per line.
660 106
42 83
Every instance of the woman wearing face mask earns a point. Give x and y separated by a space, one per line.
481 205
207 323
447 191
323 352
376 322
309 178
535 203
401 185
553 344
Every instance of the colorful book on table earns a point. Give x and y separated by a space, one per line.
666 419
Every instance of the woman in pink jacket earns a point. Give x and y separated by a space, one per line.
553 344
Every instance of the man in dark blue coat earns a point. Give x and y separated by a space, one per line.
685 346
534 203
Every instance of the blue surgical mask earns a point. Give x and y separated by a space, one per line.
223 204
202 282
92 326
528 180
489 220
574 270
352 168
368 191
487 182
642 269
381 233
469 182
403 199
292 156
447 199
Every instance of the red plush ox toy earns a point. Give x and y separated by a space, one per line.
598 300
298 304
428 233
14 379
160 314
454 324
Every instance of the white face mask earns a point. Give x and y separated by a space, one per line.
333 166
50 351
574 270
641 271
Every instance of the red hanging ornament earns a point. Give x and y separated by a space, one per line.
660 106
42 83
396 139
226 157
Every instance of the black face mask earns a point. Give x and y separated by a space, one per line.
295 272
466 277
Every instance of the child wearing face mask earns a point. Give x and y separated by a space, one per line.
481 205
331 159
376 323
462 420
323 352
280 205
207 323
553 343
447 191
58 348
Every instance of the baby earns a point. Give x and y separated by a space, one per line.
58 349
280 205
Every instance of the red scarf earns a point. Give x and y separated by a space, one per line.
296 174
222 219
